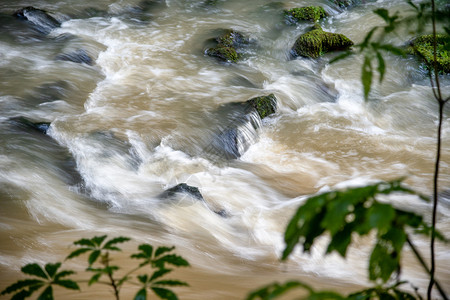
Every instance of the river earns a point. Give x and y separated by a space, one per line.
138 119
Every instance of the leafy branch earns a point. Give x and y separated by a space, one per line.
99 260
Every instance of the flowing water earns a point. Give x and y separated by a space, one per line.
142 115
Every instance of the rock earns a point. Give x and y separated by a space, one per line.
227 44
38 126
264 105
423 48
42 20
345 3
79 56
182 188
240 131
317 42
308 13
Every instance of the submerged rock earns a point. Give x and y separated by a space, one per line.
41 19
423 48
345 3
227 45
79 56
308 13
38 126
317 42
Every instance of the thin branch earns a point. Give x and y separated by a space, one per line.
424 265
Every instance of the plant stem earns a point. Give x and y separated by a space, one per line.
424 265
441 102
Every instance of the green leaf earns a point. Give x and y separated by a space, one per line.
172 259
64 274
52 268
365 43
392 49
162 250
275 290
84 242
341 57
383 262
68 284
146 252
366 76
94 278
98 240
26 292
34 269
381 66
47 294
383 13
341 240
143 278
78 252
171 283
141 295
160 273
93 256
164 293
109 244
380 216
20 284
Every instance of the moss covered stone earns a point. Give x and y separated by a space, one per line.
423 47
318 42
309 13
224 53
264 105
226 47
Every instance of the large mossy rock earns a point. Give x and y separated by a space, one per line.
264 105
423 47
317 42
345 3
41 19
227 44
308 13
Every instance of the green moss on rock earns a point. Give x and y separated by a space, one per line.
264 105
318 42
226 47
309 13
423 47
224 53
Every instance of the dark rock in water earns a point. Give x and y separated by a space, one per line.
42 149
317 42
193 192
242 122
227 45
79 56
308 13
38 126
346 3
182 188
423 48
264 105
42 20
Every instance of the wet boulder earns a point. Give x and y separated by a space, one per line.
41 20
41 127
345 3
423 48
264 105
238 131
182 188
308 13
317 42
227 46
78 56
